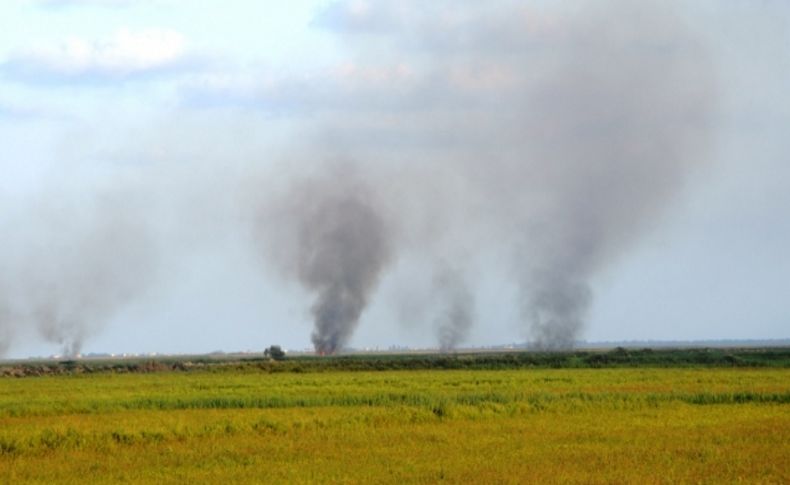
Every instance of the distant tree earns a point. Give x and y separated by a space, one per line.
274 352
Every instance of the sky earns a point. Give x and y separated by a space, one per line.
147 144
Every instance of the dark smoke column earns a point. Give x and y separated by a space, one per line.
343 249
340 247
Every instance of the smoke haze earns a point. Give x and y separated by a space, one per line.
76 264
456 308
541 143
615 134
561 161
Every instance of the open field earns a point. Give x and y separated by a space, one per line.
512 425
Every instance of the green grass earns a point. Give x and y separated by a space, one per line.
617 358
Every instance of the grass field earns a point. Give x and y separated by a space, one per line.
610 425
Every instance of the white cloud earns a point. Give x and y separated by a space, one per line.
123 54
77 3
16 110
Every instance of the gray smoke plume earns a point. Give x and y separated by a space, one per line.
339 244
6 326
456 308
551 137
557 135
615 132
76 264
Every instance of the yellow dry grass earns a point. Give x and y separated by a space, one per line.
508 426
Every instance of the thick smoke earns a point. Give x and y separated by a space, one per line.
544 139
561 136
339 244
